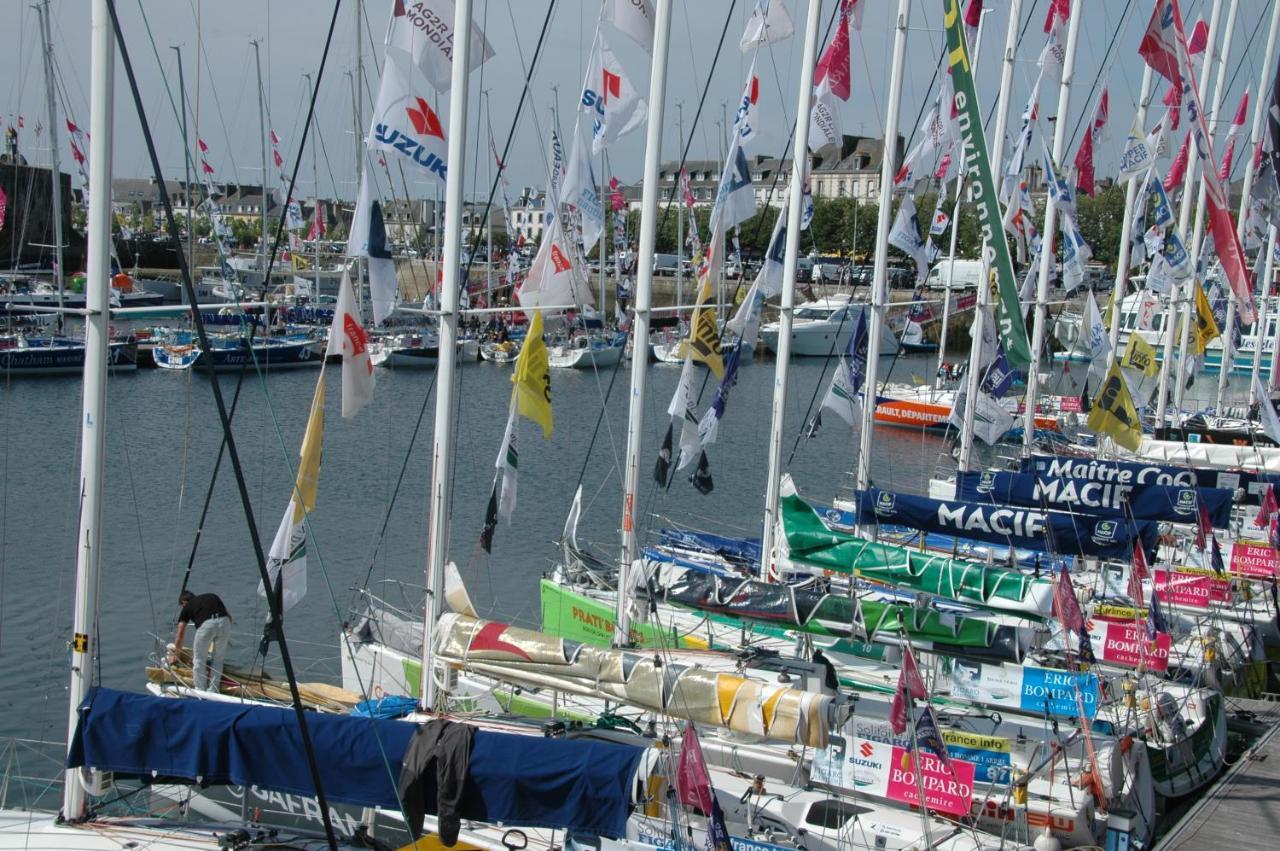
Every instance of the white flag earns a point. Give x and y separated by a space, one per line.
824 118
347 337
842 397
405 124
358 239
1270 421
424 30
905 235
736 196
681 409
609 98
744 123
1096 333
384 288
769 23
581 191
632 18
1139 152
551 281
940 222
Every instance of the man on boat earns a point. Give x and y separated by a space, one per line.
213 634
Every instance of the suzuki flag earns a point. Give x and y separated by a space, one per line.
347 337
609 98
424 30
1164 47
405 124
632 18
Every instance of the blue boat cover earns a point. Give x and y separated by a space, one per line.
584 786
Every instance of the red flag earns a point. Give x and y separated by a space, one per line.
910 684
4 205
1058 9
275 140
1237 123
76 153
834 64
279 159
685 189
1199 38
1269 505
1178 169
693 783
1084 165
1204 528
944 166
72 128
1140 561
1065 604
205 167
204 149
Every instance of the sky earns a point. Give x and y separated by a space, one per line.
292 36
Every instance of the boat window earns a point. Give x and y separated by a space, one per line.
812 313
833 814
1271 328
1157 322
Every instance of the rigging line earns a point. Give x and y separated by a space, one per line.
1103 67
272 602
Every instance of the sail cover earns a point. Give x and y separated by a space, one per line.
519 780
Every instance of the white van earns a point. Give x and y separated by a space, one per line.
965 276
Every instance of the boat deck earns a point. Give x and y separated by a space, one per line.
1242 810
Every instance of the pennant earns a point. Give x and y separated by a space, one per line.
1084 155
532 378
662 468
508 466
287 558
769 24
384 286
551 281
928 737
1178 169
693 783
347 338
701 478
708 426
609 98
940 221
582 193
204 149
735 196
423 29
1096 333
1139 152
910 685
205 167
1233 134
632 18
1065 604
824 119
1059 12
406 125
680 409
1205 329
833 66
972 19
1155 620
1268 508
1140 355
1113 411
744 122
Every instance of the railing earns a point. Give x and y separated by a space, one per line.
32 774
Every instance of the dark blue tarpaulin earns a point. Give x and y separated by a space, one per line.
1030 528
532 781
1142 473
1171 503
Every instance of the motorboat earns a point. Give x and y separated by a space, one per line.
824 327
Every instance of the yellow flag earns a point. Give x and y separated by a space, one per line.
1140 355
533 378
304 497
704 334
1113 412
1206 328
1111 306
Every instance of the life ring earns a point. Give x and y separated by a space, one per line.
378 693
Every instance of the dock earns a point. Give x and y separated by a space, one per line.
1241 811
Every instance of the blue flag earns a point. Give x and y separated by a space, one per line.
857 352
1000 376
1155 619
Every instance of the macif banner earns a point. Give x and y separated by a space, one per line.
1172 503
1029 528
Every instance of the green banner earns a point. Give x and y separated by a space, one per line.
1013 333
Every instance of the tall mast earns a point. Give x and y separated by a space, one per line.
262 138
1049 233
315 212
640 322
1197 240
55 166
1126 224
795 213
446 390
94 403
186 160
1184 216
997 165
1255 137
955 217
879 286
680 210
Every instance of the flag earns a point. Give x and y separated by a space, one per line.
910 684
275 140
287 558
905 235
1267 411
1096 334
532 378
384 288
1206 327
972 18
278 159
1113 411
1237 124
824 119
1013 332
404 123
769 24
72 128
205 167
1164 47
1084 155
1155 619
358 238
833 66
686 191
693 783
608 97
735 196
581 192
423 30
1134 588
204 149
940 221
680 409
1065 604
703 344
1178 168
1059 10
708 426
502 499
1215 556
1204 527
1268 508
347 337
1139 151
4 205
551 281
1140 355
928 737
744 122
662 467
632 18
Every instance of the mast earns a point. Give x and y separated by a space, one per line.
1049 232
1261 325
679 211
262 138
186 161
1184 216
997 165
55 166
879 286
795 213
94 403
1197 240
1126 224
1255 138
955 215
446 389
643 304
315 182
